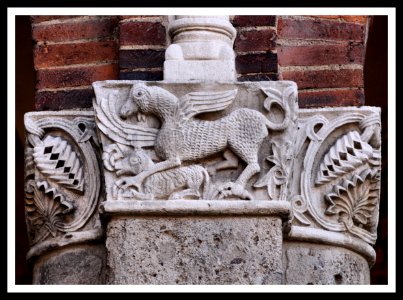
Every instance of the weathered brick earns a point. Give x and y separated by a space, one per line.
142 33
352 19
76 76
308 55
259 77
131 59
319 29
255 40
256 63
344 97
86 29
39 19
141 75
326 78
254 21
75 53
137 17
69 99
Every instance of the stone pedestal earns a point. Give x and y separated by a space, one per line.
78 264
202 242
314 263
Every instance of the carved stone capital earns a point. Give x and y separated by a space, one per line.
165 141
336 182
62 180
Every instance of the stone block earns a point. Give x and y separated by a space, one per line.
312 264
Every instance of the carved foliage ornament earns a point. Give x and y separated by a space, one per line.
340 174
175 149
62 174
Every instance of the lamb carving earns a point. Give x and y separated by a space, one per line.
177 183
184 138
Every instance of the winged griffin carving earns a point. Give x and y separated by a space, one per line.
182 137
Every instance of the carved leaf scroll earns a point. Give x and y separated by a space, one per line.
56 160
354 200
45 208
276 178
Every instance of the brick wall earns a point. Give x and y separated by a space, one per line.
323 54
70 53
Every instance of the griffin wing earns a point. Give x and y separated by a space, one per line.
115 128
201 102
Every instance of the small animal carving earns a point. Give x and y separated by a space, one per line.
176 183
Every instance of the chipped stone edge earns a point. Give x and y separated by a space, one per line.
68 239
198 207
320 236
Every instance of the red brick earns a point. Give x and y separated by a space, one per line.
347 97
77 53
352 19
77 76
319 29
254 21
255 40
93 28
142 33
137 17
309 55
141 75
58 100
131 59
326 78
256 63
259 77
39 19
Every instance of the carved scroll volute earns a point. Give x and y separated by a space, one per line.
340 178
62 179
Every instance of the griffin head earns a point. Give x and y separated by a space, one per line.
138 101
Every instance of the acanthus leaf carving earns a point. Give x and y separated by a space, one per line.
277 177
45 208
354 201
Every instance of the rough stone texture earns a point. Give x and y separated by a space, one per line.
307 263
211 250
80 264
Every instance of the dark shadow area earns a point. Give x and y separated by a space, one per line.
25 93
376 94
